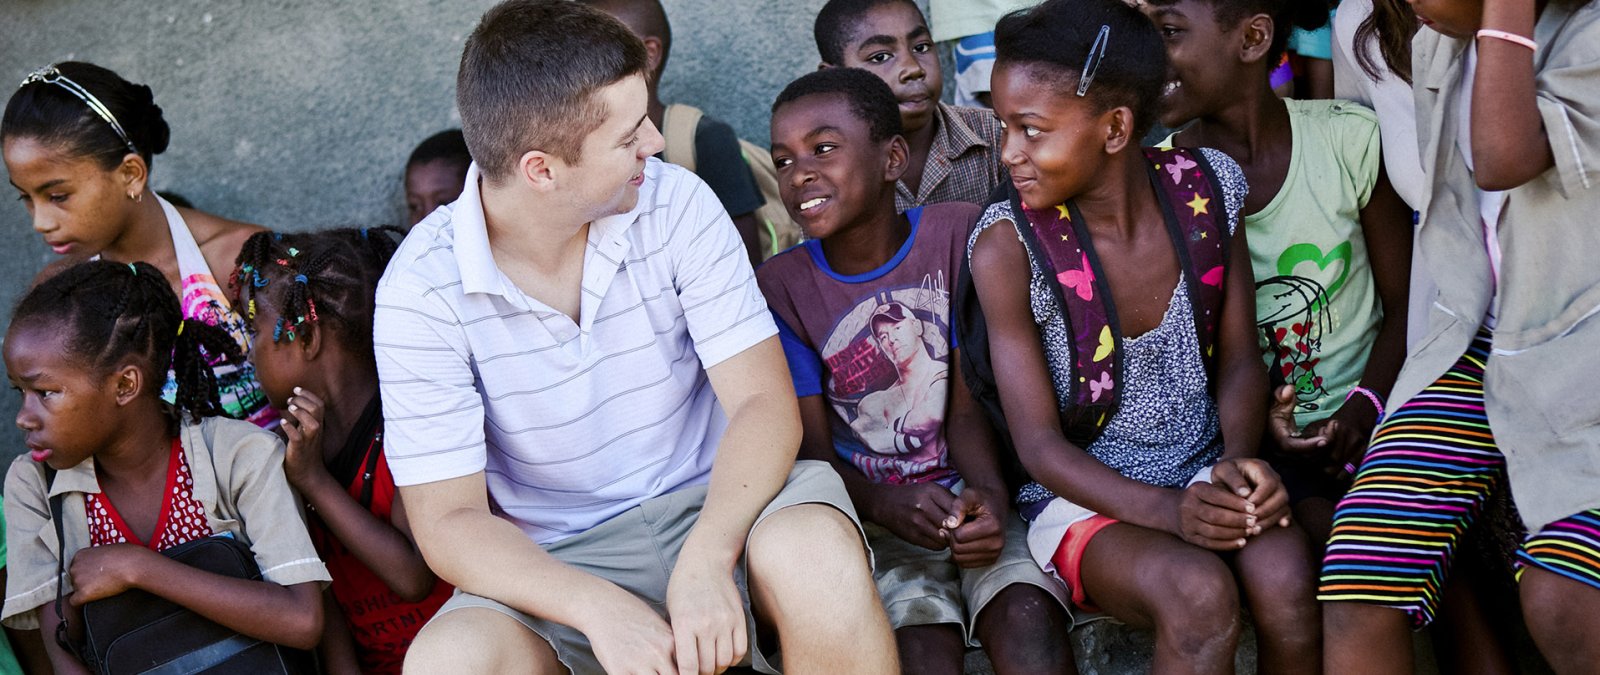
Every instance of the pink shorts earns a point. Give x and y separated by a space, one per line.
1068 557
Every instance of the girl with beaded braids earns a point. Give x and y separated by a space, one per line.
78 142
88 350
309 300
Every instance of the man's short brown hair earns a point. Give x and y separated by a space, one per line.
529 78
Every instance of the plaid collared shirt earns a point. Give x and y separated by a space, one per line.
963 163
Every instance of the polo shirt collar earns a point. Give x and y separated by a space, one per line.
479 274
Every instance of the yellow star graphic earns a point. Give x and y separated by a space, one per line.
1199 204
1065 214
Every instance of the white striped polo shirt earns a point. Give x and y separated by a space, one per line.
572 423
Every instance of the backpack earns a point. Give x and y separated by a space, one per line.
1058 239
778 231
139 632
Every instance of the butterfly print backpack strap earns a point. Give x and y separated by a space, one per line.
1089 314
1195 210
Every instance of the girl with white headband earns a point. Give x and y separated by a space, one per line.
78 141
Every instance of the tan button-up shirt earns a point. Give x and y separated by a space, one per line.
1541 378
238 477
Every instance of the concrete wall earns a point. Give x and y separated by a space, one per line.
297 114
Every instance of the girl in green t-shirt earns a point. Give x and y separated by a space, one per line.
1330 241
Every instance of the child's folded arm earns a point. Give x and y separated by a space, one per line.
337 650
61 662
286 615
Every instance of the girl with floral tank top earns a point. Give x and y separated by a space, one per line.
79 142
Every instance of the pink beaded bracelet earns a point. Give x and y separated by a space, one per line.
1371 396
1513 38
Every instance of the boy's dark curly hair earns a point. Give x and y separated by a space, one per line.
111 313
836 25
315 280
1059 36
869 98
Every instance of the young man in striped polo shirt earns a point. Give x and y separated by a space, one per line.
586 406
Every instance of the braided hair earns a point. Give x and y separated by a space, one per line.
315 280
112 312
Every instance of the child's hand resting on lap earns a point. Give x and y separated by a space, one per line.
1341 438
1212 517
976 529
914 512
1254 480
1244 497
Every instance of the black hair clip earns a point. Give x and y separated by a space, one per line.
1097 54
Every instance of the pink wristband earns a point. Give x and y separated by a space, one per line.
1371 396
1513 38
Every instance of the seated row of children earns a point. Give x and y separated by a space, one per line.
1056 375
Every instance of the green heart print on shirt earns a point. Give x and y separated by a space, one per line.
1299 254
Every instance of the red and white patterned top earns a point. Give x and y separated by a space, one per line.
182 519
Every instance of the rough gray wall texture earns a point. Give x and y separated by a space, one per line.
297 114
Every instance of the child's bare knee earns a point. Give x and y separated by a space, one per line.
1200 609
1558 611
1201 590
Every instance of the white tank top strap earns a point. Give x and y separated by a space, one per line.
192 266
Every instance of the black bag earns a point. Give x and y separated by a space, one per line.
138 632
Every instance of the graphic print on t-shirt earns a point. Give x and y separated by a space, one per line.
888 363
1294 313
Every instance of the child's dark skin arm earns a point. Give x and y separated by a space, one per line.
337 650
26 644
1241 392
982 508
30 651
749 227
1509 144
1212 518
912 512
1386 228
386 550
61 662
286 615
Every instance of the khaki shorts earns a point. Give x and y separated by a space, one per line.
920 587
638 548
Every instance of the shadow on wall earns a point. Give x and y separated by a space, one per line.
297 114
